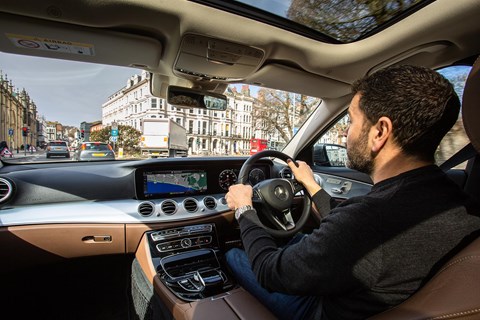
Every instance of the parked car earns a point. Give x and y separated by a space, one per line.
146 238
94 151
57 148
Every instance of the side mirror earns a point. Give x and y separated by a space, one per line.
330 155
191 98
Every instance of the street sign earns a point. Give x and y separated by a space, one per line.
114 132
113 138
114 126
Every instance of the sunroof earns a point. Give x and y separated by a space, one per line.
340 20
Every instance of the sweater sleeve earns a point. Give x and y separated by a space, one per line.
322 201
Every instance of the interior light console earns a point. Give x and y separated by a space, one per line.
187 261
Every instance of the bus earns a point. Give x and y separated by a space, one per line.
257 145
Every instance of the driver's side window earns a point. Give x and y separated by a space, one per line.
330 148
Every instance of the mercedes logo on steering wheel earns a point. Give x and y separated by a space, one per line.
280 193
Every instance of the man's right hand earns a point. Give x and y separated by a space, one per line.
304 174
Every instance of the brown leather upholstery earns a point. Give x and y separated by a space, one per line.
454 292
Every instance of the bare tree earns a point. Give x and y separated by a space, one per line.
346 20
280 112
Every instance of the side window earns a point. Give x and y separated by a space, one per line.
330 149
456 138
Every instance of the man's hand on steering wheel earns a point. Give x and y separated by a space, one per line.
239 195
274 196
304 174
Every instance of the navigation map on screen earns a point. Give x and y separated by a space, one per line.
175 182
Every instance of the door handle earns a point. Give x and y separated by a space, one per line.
97 239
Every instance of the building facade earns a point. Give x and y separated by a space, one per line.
209 132
17 111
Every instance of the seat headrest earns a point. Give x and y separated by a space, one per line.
471 105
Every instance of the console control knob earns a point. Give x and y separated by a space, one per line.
186 243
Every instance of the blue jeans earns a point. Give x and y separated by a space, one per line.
284 306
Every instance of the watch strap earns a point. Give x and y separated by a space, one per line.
240 210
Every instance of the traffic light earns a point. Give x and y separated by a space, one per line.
82 133
24 131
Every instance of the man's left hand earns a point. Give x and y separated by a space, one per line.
239 195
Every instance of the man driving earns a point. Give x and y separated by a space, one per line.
371 252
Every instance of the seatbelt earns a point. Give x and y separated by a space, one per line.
462 155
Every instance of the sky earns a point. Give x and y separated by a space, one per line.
278 7
56 96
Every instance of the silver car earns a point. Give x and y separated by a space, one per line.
58 148
94 151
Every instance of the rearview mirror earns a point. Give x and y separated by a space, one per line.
191 98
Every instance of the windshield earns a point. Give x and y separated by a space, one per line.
48 102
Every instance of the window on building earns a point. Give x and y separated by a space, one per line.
190 126
154 102
204 127
204 144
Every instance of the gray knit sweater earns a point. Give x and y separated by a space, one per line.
372 252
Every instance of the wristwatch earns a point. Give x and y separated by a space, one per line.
240 210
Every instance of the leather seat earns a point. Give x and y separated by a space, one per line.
454 291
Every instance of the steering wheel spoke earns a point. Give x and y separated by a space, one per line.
284 220
296 186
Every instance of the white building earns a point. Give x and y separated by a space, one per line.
209 132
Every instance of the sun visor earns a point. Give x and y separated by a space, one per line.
289 79
48 39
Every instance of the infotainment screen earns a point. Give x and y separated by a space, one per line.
174 182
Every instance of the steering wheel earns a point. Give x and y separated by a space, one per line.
275 196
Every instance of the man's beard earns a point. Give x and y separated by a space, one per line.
358 156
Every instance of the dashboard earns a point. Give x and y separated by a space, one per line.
139 191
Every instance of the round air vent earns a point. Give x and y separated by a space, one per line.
210 203
286 173
6 190
190 205
146 208
169 207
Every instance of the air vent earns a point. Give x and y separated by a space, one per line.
190 205
146 208
286 173
210 203
169 207
6 190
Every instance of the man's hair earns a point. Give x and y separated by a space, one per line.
421 104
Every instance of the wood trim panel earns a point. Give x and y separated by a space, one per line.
23 246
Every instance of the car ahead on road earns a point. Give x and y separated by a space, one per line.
94 151
146 238
57 148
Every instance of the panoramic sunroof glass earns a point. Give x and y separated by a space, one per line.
343 20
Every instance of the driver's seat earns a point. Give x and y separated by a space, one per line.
454 291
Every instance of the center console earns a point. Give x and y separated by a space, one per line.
187 260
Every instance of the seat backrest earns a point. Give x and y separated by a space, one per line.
454 291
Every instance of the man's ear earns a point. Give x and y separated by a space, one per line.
382 131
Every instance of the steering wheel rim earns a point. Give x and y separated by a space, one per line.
276 197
